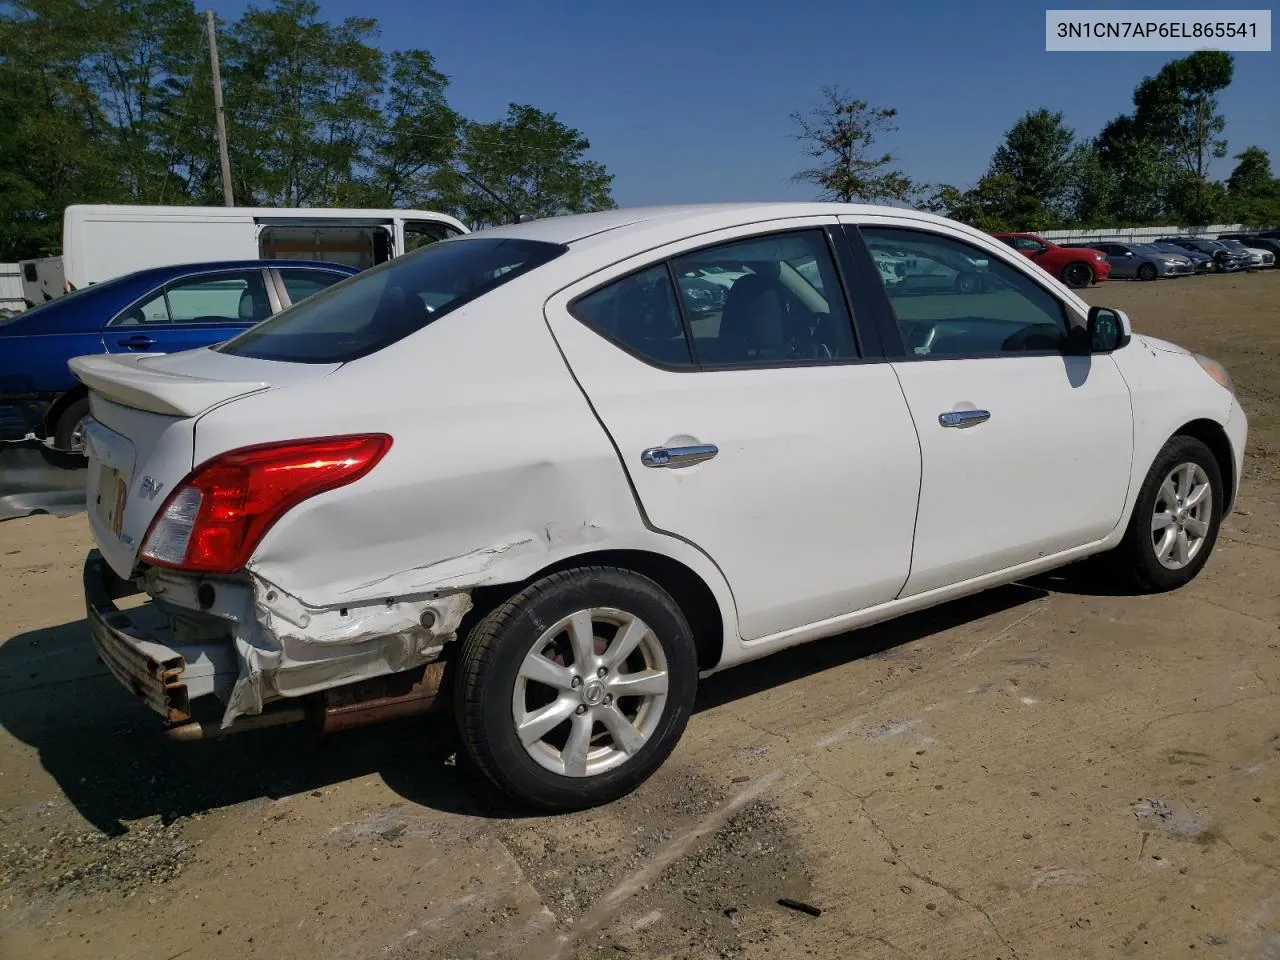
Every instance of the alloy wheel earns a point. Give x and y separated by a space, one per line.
1180 519
590 692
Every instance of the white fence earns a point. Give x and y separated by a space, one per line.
1139 234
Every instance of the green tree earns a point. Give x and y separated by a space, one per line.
529 164
54 135
303 96
1254 193
1037 154
840 134
418 139
1179 108
1090 193
1137 173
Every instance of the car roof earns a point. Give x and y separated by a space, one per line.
174 268
679 219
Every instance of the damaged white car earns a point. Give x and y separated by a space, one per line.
515 472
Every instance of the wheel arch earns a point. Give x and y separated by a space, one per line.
60 405
1214 436
691 593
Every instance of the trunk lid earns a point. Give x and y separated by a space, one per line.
140 438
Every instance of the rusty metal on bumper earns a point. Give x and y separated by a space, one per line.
150 670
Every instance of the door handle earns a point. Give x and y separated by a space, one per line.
139 341
963 418
678 456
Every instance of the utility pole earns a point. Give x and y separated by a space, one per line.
228 198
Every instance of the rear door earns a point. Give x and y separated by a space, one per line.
750 419
192 311
1025 450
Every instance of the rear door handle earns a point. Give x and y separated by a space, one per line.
678 456
963 418
139 341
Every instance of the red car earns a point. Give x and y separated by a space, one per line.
1074 266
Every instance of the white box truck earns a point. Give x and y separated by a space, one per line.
101 241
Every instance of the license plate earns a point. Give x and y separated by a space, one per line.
112 492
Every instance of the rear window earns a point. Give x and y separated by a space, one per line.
374 309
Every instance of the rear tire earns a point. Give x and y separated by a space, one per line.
537 679
1146 272
1077 275
1172 532
68 432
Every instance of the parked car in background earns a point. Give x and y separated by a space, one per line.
1202 262
1258 257
568 497
1224 259
1074 267
162 310
1137 261
1256 241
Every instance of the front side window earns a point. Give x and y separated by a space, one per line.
392 300
422 233
1027 245
959 301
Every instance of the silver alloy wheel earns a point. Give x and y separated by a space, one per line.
1180 521
590 692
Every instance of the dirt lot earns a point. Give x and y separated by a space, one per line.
1041 771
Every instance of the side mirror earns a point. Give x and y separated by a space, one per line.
1128 253
1108 329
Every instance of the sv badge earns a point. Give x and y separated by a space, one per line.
149 487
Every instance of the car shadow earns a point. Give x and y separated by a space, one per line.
109 756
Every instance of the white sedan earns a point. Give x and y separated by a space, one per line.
515 472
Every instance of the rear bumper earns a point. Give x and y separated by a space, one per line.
165 678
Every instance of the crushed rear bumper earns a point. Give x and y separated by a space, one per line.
166 678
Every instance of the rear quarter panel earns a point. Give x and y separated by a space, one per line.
498 466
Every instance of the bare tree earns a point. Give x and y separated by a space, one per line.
839 134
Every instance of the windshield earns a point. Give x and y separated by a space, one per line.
374 309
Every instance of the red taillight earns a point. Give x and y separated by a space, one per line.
215 518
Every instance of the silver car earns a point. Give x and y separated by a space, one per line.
1140 261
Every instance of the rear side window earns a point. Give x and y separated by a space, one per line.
640 314
300 284
383 305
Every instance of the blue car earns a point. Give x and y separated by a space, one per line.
160 310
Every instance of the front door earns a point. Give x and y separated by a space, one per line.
1025 450
728 376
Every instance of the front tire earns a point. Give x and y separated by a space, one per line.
1175 520
1077 275
573 692
1146 272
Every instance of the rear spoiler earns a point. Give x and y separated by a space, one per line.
126 379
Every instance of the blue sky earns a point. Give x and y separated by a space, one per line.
690 101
